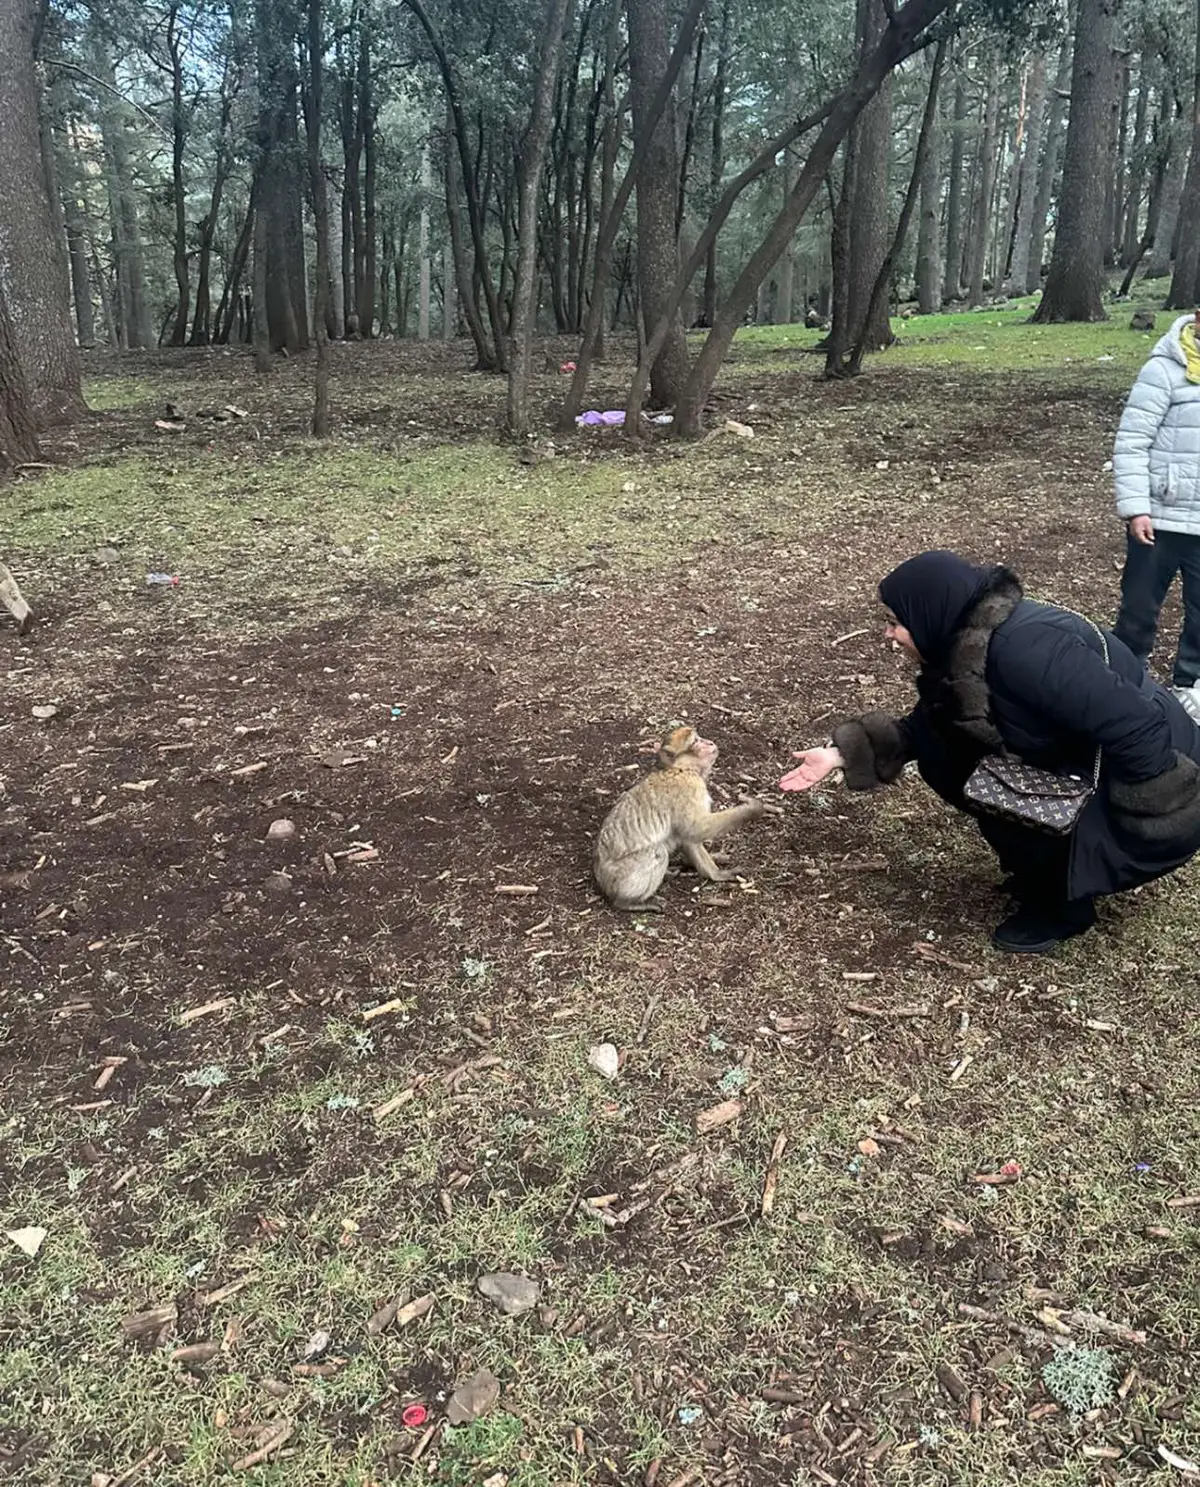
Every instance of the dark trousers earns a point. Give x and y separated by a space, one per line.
1149 573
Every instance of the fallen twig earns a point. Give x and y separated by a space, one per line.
772 1178
282 1435
1031 1334
865 1009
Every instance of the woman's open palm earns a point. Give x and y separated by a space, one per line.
815 765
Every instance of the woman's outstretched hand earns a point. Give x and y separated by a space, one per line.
815 765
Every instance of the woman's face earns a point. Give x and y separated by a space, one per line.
897 634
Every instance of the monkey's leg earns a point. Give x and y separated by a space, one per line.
698 856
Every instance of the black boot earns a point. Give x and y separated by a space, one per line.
1037 929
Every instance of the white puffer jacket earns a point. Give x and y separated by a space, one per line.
1156 458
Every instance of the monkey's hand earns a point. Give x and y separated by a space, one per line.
760 807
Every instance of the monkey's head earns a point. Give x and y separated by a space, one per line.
683 748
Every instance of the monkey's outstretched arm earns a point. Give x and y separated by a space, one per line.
713 827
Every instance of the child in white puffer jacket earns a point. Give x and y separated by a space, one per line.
1156 466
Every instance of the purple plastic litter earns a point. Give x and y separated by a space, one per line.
611 418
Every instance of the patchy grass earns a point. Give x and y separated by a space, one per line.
201 1022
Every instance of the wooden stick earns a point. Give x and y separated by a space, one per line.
14 601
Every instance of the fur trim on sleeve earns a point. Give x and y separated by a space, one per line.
1162 809
874 749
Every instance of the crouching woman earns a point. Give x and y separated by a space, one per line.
1002 676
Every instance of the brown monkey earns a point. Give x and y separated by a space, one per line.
666 811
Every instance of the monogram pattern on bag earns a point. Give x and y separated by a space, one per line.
1044 801
1007 787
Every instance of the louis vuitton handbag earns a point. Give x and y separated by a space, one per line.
1004 786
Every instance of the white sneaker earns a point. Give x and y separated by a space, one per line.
1190 698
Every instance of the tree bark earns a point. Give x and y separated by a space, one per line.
77 240
532 159
370 144
1035 109
905 33
716 167
33 267
1176 145
882 285
867 317
313 113
179 253
1048 172
491 353
929 261
952 282
986 178
1185 282
1135 176
18 420
607 236
1075 283
657 236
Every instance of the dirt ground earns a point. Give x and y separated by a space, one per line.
271 1085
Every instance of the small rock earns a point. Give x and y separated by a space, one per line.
474 1397
281 830
279 882
45 712
106 556
513 1294
605 1059
742 430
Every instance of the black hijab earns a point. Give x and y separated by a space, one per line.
930 596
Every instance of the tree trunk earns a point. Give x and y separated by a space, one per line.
905 32
1185 282
532 158
867 317
18 420
610 224
1131 219
227 309
924 139
1048 172
986 177
424 266
491 353
366 114
449 312
1035 108
929 260
952 283
716 167
33 267
1075 283
609 145
179 255
1118 129
313 113
261 324
657 239
1176 145
77 242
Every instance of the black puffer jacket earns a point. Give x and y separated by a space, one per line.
1031 679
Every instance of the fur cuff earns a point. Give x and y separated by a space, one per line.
874 749
1164 808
